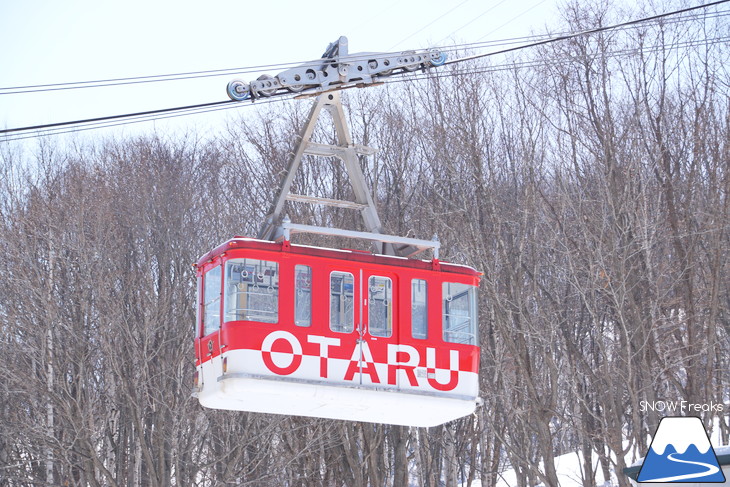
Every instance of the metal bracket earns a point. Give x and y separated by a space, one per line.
348 153
337 69
288 228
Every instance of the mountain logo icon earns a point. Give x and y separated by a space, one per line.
681 452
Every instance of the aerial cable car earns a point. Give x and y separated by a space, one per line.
379 336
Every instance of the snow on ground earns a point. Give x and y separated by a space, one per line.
568 467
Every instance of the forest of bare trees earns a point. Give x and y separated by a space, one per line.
588 179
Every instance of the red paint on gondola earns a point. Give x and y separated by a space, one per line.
361 356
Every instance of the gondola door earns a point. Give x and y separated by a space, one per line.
362 319
210 312
378 327
345 318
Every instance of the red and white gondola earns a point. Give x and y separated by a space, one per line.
306 331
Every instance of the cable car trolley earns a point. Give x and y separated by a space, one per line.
381 336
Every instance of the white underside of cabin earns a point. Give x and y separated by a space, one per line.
247 387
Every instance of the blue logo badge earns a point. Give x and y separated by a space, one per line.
681 451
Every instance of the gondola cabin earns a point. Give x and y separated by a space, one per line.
307 331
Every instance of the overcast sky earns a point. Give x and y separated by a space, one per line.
50 41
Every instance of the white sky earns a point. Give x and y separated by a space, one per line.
52 41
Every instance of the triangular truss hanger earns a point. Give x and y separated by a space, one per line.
277 226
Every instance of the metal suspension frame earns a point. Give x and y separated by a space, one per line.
336 69
278 226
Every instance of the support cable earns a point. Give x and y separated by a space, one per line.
166 112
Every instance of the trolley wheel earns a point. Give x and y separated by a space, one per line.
412 63
373 64
295 87
238 90
438 60
267 81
